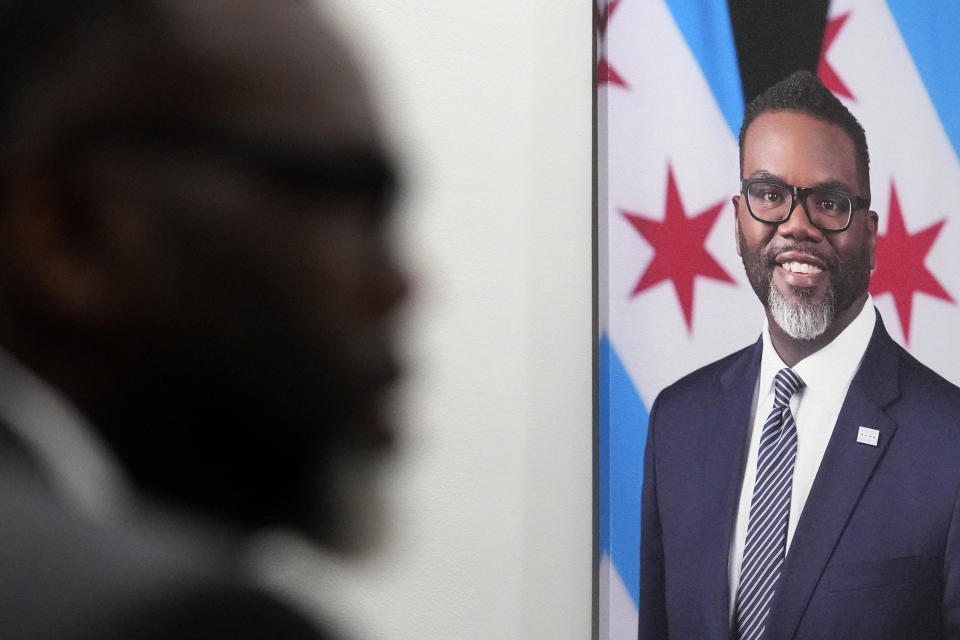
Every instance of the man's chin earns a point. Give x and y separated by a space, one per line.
801 313
350 513
795 294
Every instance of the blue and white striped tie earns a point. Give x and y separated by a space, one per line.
766 544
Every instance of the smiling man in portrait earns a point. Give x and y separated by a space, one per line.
805 486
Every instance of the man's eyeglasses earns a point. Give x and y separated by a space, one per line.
345 170
827 209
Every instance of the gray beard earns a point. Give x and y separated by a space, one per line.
801 320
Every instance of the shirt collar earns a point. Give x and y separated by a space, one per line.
833 366
76 460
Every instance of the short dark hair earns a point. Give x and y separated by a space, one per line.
804 93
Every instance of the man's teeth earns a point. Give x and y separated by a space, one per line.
801 267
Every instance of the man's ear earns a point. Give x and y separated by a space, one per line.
52 247
736 222
872 222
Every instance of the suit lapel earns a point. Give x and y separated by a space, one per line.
844 472
725 462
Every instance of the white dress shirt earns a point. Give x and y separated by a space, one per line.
826 375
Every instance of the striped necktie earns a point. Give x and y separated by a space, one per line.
766 544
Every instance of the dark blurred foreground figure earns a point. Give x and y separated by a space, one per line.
196 299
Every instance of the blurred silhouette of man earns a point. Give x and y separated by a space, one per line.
196 305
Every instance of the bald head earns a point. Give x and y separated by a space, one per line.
271 66
274 63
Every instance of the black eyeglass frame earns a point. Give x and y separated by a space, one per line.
799 194
346 169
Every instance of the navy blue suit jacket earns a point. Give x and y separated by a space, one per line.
876 552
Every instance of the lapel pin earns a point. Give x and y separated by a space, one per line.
866 435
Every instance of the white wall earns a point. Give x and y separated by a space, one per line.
489 104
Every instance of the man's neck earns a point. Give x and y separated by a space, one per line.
791 350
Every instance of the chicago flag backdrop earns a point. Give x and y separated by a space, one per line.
672 294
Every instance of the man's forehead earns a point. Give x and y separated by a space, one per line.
778 141
790 120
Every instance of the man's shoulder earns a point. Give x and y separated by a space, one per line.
922 385
210 611
707 378
67 576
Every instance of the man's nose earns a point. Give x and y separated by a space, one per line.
392 284
799 227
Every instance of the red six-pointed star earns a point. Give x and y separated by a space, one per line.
828 75
606 74
679 248
900 269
